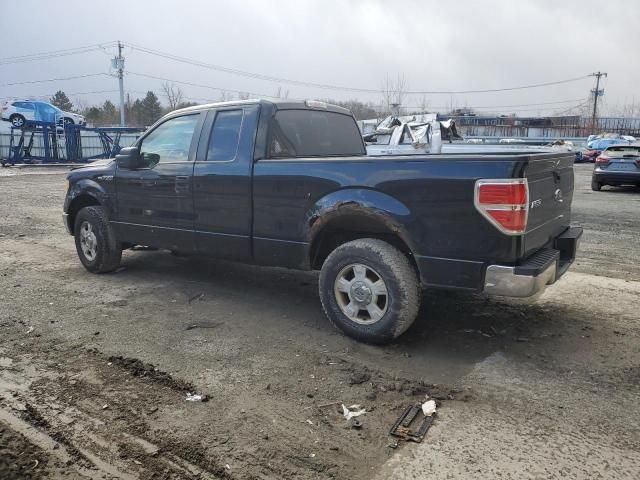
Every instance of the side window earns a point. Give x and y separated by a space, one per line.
169 142
225 136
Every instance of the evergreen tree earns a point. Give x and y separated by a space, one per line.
61 101
93 115
109 112
150 108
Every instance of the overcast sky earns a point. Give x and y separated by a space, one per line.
436 45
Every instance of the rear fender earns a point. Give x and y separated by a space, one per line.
375 205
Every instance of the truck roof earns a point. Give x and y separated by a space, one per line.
281 104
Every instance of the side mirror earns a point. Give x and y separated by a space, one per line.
128 158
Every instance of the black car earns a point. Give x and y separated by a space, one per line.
617 165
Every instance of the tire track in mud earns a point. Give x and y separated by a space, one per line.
124 418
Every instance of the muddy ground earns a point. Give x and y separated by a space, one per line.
95 369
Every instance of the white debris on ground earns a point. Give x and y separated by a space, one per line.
196 397
429 408
352 411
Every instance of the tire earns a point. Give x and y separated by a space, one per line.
96 243
17 121
67 121
397 308
595 186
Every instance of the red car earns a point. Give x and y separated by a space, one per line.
589 155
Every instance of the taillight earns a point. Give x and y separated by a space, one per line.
505 203
602 160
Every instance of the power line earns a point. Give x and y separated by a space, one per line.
129 72
54 79
259 76
54 53
499 106
335 87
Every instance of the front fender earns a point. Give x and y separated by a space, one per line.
376 205
87 186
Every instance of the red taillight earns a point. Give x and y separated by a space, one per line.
602 160
503 194
505 203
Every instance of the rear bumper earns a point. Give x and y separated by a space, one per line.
542 269
603 176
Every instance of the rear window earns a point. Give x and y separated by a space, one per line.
312 133
623 151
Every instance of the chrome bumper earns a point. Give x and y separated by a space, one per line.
65 220
504 281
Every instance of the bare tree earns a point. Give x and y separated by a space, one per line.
174 95
424 104
393 93
225 96
81 105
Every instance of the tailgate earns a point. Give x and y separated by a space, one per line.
550 178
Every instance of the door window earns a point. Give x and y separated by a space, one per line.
169 142
225 136
45 112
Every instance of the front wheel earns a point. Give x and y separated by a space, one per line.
369 290
96 242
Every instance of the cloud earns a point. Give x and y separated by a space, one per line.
436 45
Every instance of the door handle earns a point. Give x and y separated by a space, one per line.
182 183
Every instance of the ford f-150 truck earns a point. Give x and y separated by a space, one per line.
289 184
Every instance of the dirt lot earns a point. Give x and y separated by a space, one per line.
95 369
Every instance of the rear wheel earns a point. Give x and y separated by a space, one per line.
369 290
96 243
595 185
17 120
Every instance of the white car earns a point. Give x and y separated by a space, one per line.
18 112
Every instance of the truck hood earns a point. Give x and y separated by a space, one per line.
103 162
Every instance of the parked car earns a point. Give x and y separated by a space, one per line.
289 184
595 147
617 165
18 112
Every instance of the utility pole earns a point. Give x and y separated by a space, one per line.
118 64
596 93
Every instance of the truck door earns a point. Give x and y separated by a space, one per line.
222 182
155 201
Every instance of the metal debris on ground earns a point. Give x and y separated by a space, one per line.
196 397
408 426
356 424
352 411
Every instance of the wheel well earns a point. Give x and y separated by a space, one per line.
78 204
352 227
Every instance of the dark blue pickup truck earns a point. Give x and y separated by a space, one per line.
289 184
